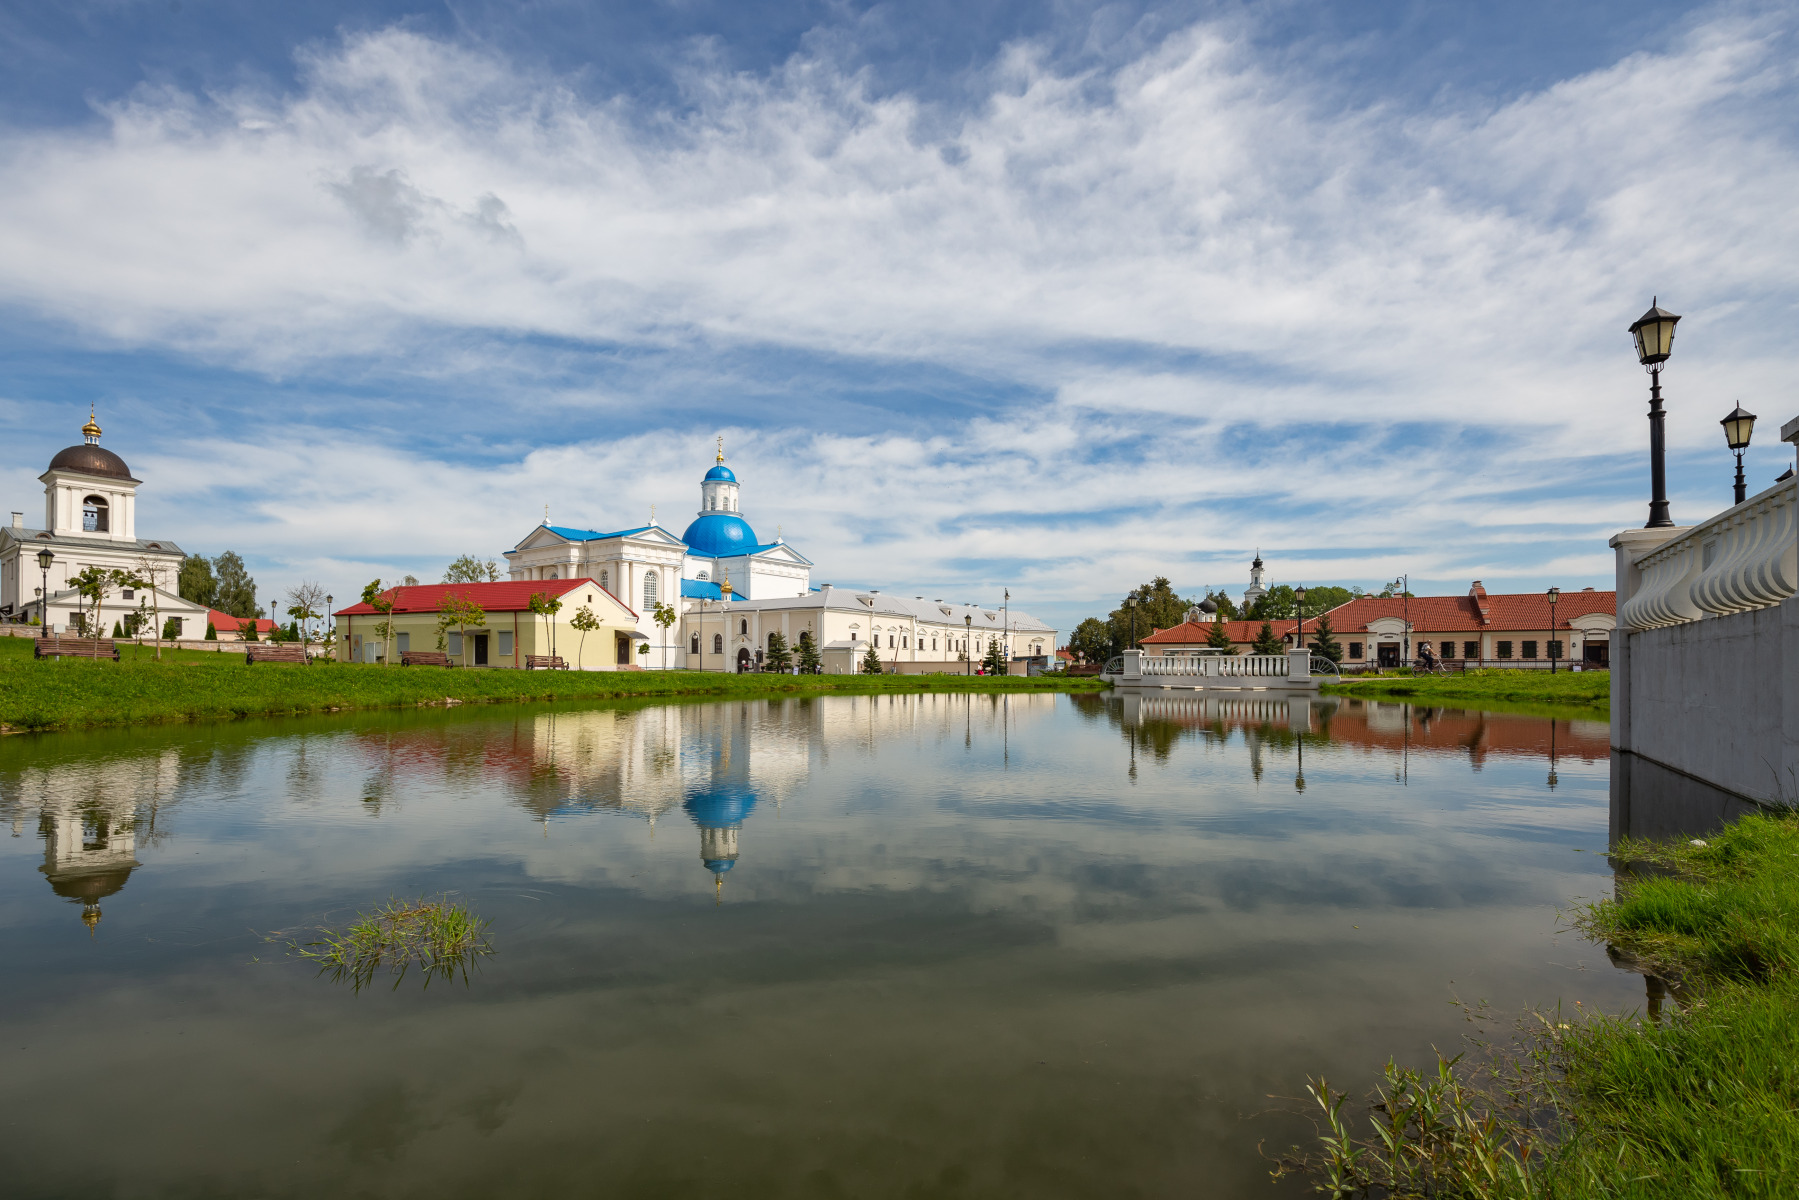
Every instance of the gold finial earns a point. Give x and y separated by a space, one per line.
90 916
718 894
546 514
652 514
91 430
721 447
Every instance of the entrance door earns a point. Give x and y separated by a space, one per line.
1388 653
480 649
624 651
1598 654
743 660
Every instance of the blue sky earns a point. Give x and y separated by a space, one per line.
1054 296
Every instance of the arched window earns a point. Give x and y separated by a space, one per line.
743 627
553 574
649 589
694 647
93 514
771 641
704 575
718 643
805 636
606 580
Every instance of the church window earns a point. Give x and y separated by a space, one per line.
704 575
743 627
771 641
93 515
649 589
693 644
718 643
606 580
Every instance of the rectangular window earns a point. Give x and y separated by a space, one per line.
1423 647
1355 649
506 643
1530 649
455 645
1505 649
1470 649
126 594
1448 650
1555 648
404 640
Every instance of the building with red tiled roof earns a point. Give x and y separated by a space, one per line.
1506 630
231 629
507 633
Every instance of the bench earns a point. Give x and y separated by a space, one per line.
424 658
68 647
276 653
544 662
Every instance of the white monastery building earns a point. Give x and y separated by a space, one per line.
729 592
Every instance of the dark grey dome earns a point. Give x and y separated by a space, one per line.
91 460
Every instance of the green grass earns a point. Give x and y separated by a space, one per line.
192 685
1702 1104
439 937
1592 689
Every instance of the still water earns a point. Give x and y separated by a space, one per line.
911 946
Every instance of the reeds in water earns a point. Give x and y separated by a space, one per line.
441 938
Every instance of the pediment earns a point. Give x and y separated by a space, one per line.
656 535
541 536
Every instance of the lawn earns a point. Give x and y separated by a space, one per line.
1587 688
193 685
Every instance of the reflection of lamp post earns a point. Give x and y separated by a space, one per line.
44 559
1299 778
1737 428
1552 779
1654 334
1555 594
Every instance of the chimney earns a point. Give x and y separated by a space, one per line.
1477 597
18 520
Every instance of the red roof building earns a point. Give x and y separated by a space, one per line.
231 629
506 634
512 595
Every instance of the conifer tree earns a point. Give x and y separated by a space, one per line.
995 661
212 635
809 661
871 662
1266 641
1219 638
780 658
1324 642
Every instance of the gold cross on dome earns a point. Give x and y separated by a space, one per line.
546 514
721 447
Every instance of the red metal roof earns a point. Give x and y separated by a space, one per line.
226 622
1191 632
512 595
1522 611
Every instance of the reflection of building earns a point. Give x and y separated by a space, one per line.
88 856
720 815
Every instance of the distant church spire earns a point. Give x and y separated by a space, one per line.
91 431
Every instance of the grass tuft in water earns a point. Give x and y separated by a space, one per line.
441 937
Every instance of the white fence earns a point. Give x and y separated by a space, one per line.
1272 666
1745 558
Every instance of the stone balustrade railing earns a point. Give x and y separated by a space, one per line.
1270 666
1745 558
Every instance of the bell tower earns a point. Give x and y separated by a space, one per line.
718 491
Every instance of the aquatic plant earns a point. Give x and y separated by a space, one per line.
440 937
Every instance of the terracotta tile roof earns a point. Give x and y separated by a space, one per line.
1458 614
1190 632
226 623
512 595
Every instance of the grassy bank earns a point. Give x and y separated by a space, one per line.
200 686
1700 1102
1587 688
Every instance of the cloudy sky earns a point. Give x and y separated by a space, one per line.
1053 296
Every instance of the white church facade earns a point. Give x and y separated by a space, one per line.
729 592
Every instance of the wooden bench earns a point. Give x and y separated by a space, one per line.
544 662
291 652
424 658
69 647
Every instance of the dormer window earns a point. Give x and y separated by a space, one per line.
93 515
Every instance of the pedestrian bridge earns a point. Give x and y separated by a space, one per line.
1295 671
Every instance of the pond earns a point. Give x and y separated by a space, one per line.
928 945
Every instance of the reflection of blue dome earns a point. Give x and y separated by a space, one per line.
719 535
720 810
718 866
721 472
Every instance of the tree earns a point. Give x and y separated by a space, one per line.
93 583
469 569
1091 641
170 632
410 581
871 662
995 661
383 603
1158 607
118 631
236 592
246 629
1219 638
780 656
1227 608
809 660
1324 643
1267 642
664 617
154 573
585 622
545 605
212 635
460 612
195 582
305 604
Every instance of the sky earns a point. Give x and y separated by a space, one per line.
1051 298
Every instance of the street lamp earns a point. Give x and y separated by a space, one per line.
1130 602
1555 594
1654 334
967 640
1299 617
44 559
1737 428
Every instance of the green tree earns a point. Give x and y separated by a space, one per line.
583 622
305 604
212 635
195 582
1092 641
459 612
171 631
236 593
246 629
994 663
1267 641
469 569
383 603
780 656
809 660
94 584
1219 638
871 662
1324 642
544 605
1227 608
118 631
664 616
1158 607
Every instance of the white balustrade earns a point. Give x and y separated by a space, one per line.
1229 666
1745 558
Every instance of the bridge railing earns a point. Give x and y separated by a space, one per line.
1746 557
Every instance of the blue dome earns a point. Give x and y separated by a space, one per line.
719 535
721 472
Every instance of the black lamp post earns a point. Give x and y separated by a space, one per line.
44 559
1130 602
1299 621
968 642
1737 428
1554 594
1654 334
